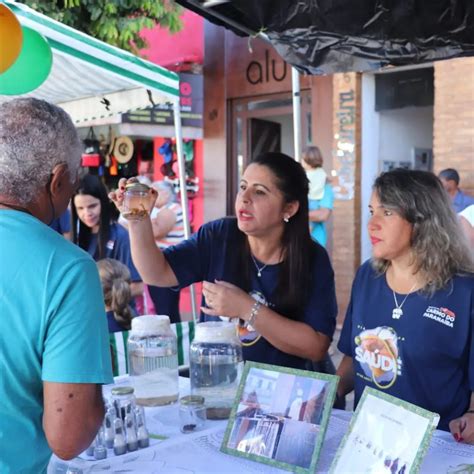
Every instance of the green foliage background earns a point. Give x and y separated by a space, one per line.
117 22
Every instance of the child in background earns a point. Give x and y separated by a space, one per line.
313 164
320 195
115 279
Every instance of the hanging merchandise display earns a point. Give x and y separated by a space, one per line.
31 68
123 149
11 38
91 157
167 150
188 150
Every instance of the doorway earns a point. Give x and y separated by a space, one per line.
260 124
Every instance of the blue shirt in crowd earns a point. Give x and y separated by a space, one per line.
318 229
461 201
426 357
52 329
62 224
118 248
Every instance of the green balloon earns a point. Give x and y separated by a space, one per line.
31 68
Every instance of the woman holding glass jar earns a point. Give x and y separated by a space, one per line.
260 267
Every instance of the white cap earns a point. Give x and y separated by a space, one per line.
216 331
150 325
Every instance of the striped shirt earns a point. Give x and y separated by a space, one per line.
176 234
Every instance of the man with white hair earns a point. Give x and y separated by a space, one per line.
53 332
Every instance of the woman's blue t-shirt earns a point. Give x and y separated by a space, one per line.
117 247
426 357
209 255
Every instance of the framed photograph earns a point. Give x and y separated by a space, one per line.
386 434
280 416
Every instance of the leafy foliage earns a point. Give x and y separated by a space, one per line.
117 22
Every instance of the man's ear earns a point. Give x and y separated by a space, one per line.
58 179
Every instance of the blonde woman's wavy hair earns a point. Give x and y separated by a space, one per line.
438 244
115 279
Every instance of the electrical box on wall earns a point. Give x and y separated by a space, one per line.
423 159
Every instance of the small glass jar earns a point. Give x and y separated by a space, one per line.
123 400
192 413
216 366
135 201
153 360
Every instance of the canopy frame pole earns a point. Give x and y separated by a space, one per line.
183 190
296 95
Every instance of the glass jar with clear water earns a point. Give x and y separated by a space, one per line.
153 360
216 366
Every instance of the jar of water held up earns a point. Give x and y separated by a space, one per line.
153 360
216 366
136 201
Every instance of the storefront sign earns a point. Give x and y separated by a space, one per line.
259 72
345 139
191 100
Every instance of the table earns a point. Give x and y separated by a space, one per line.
198 452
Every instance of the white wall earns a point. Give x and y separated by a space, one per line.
387 135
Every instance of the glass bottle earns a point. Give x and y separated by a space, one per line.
123 400
216 366
153 360
192 413
135 201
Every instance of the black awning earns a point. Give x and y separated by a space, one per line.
326 36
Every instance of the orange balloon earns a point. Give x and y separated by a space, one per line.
11 38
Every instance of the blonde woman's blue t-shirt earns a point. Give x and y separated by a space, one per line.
52 328
426 356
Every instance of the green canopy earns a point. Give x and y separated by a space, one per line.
86 71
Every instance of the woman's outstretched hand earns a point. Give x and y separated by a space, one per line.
225 299
117 196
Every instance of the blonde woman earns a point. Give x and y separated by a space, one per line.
409 329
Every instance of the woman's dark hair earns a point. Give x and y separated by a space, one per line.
91 185
438 244
295 274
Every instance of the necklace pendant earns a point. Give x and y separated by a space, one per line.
259 274
396 313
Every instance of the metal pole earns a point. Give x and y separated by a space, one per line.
295 83
183 190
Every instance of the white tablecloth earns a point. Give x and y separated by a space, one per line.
198 453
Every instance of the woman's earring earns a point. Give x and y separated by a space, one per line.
286 219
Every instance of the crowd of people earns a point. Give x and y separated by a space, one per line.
266 268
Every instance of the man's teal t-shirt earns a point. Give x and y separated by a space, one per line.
52 328
318 229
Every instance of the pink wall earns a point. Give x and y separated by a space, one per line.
170 50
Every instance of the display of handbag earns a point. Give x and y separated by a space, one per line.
91 156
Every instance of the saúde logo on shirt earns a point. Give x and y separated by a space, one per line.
377 353
441 315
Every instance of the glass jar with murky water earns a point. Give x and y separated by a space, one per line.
216 366
135 201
